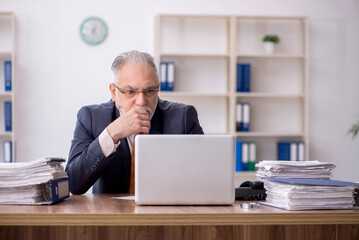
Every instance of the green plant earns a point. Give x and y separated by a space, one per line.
354 130
271 38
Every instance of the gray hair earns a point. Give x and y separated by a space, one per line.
132 57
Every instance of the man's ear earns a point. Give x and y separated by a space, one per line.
113 91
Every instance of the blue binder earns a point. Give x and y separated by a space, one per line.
239 78
246 72
170 76
167 76
7 151
284 151
59 191
243 77
246 117
252 158
7 114
245 156
239 117
7 75
239 166
163 75
301 151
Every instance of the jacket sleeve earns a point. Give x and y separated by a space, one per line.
86 161
191 121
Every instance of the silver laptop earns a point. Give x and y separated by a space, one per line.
184 169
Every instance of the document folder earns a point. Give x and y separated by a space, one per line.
307 194
306 181
59 191
39 182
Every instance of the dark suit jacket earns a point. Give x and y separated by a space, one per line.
88 166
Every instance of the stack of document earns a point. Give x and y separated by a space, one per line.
42 181
294 169
306 194
305 185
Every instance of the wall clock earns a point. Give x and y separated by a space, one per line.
93 30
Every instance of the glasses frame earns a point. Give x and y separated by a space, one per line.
136 92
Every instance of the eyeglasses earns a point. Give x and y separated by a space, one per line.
131 93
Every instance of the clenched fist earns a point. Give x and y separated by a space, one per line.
137 120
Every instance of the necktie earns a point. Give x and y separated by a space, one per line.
132 179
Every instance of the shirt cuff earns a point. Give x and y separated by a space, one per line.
106 143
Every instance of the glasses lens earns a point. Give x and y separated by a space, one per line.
130 93
149 92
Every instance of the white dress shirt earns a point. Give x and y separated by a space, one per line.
108 146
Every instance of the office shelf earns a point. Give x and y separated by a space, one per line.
268 134
192 94
268 95
7 53
285 56
206 50
204 55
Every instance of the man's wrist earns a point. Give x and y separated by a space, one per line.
107 144
113 133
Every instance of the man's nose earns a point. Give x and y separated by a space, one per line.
140 99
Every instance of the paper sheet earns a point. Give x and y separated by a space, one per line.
125 198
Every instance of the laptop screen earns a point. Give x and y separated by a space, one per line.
184 169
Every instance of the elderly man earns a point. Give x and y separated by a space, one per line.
100 153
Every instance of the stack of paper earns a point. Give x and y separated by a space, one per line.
294 169
36 182
305 194
305 185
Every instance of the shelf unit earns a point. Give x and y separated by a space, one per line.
7 53
206 50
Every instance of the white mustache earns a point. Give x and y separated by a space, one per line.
149 110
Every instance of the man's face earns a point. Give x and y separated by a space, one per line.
135 77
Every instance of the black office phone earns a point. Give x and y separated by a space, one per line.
251 190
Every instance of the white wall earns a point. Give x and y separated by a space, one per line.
57 73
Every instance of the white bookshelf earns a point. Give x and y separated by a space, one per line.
7 53
206 50
199 46
279 94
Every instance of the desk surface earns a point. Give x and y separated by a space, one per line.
104 210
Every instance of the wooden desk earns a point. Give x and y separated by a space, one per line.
103 217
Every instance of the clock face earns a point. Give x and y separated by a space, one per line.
93 30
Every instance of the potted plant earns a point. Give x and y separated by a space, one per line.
354 130
269 43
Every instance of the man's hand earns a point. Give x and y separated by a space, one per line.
137 120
